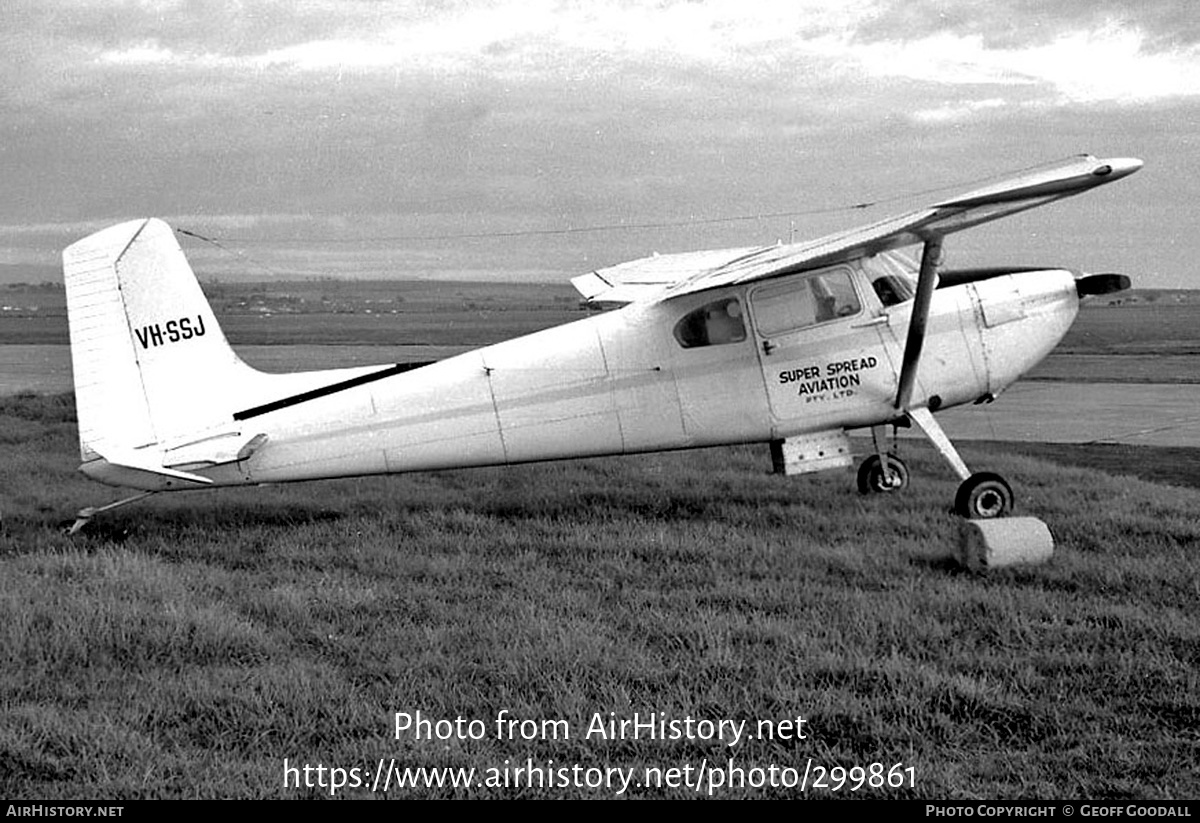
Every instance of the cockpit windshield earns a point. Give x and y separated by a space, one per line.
893 275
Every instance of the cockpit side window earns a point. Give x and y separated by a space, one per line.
713 324
892 289
797 304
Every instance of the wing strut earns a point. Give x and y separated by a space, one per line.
979 495
926 283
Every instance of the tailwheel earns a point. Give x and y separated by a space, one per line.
982 496
873 479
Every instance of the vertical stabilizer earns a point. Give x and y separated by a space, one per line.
149 359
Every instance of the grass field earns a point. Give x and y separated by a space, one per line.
185 646
189 644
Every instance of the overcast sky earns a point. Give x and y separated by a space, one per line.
408 139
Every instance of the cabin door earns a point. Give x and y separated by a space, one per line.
828 358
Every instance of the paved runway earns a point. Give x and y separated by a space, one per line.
1148 414
1044 411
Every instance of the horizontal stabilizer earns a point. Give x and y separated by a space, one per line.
215 449
138 462
153 468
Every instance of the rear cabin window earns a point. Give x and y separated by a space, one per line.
713 324
801 303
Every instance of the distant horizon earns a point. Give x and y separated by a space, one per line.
11 276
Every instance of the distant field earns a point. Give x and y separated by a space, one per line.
1138 342
1142 328
186 645
340 313
451 313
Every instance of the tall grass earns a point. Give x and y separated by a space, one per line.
186 645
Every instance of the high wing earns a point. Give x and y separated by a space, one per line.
673 275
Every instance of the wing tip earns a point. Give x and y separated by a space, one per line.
1115 168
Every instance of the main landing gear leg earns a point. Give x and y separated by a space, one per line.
980 496
85 515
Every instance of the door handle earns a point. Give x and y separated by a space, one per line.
881 320
768 346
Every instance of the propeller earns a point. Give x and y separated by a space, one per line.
1093 284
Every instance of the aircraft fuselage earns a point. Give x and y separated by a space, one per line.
742 364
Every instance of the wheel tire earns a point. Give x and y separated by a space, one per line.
871 479
983 496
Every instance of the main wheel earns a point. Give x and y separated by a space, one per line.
983 496
873 480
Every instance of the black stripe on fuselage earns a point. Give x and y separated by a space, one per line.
325 391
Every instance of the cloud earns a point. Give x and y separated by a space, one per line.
1109 64
1069 56
955 112
517 35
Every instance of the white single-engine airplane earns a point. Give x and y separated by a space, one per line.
789 344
